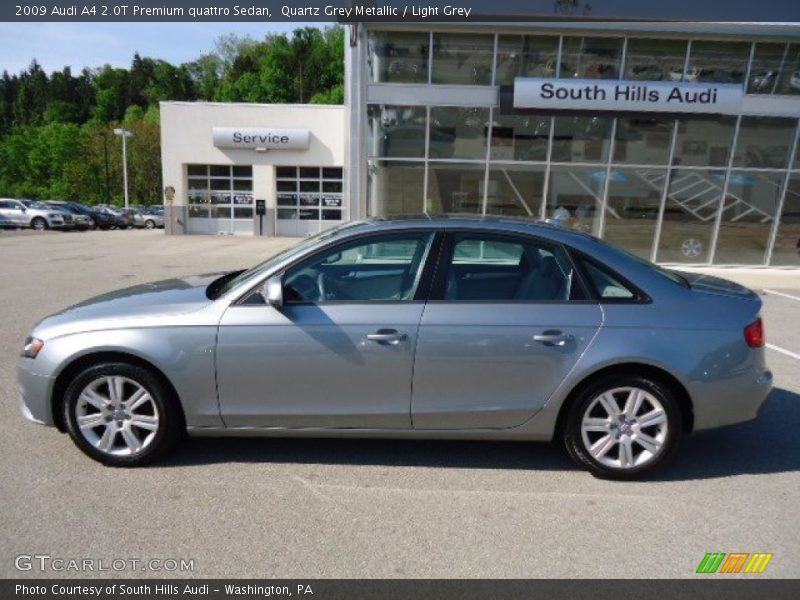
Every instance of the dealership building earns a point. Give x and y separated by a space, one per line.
677 141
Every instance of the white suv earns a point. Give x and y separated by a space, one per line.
14 213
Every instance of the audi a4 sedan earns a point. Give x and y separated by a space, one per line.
448 327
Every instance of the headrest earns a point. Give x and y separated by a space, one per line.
548 266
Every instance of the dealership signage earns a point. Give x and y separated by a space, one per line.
657 96
259 138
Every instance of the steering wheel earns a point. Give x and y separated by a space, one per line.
326 287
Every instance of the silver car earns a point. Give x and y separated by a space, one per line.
35 215
448 327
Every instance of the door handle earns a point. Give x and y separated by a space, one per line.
387 336
553 338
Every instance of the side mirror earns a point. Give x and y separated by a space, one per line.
273 291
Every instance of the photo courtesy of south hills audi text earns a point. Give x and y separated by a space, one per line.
168 589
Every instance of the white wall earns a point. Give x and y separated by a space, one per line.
186 138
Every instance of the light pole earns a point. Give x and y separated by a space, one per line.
124 134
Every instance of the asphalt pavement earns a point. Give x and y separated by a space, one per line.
369 508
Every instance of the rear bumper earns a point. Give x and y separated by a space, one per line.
732 400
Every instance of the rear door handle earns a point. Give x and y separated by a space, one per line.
553 338
387 336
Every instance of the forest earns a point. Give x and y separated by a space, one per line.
56 130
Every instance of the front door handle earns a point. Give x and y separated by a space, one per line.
553 337
387 336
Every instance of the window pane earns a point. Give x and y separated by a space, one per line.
455 188
309 186
221 212
395 188
574 197
382 269
286 186
331 186
765 68
309 172
398 57
244 185
198 211
643 140
689 216
287 213
789 82
605 284
462 58
243 171
331 215
484 268
287 199
242 212
458 132
786 251
704 141
634 199
525 56
331 172
515 190
655 60
201 170
286 172
720 62
220 171
197 184
581 139
750 207
764 142
220 184
520 137
590 58
397 131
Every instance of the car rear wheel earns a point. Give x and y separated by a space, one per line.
623 427
121 415
39 224
150 224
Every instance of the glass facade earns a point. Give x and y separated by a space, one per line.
688 189
306 197
220 196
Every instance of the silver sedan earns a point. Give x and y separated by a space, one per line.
447 327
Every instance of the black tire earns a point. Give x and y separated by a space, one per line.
39 224
170 429
573 436
149 224
93 225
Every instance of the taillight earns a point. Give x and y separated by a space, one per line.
754 334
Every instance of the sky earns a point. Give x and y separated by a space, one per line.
78 45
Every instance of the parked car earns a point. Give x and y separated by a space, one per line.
72 216
150 220
99 219
121 219
36 216
530 332
69 222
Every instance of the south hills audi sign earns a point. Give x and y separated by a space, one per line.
649 96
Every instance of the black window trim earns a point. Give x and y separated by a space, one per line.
440 282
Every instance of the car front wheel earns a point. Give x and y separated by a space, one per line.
39 224
150 224
623 427
121 415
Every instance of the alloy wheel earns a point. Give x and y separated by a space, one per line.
117 416
624 427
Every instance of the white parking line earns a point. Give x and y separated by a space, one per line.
782 351
782 294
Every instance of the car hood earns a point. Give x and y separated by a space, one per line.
717 285
149 304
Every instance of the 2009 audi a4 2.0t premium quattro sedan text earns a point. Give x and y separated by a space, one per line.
436 327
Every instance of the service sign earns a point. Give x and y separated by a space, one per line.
615 95
261 137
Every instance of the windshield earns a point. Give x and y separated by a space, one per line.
272 262
38 205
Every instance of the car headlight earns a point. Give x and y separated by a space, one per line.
32 347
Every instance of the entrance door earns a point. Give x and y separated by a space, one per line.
505 327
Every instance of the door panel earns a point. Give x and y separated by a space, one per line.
478 366
313 365
505 327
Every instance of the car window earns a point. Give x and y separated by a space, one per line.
377 269
605 284
485 268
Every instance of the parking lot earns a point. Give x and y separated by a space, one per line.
369 508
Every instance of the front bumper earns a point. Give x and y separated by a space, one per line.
34 393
